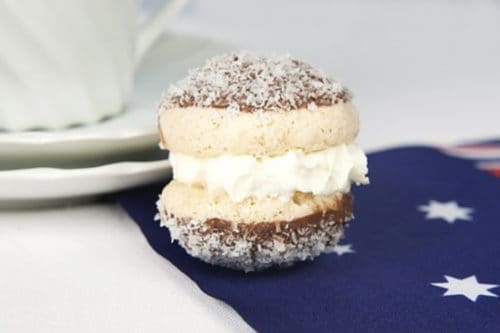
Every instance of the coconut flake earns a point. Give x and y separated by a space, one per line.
247 82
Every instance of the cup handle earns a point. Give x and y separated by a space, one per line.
155 27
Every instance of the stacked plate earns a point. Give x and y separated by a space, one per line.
44 167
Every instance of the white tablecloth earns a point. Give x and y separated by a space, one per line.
423 71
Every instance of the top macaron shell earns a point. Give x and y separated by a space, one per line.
264 106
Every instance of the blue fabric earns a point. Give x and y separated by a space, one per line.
385 285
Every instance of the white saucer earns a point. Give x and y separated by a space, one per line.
47 186
131 131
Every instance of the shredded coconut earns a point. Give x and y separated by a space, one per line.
242 250
247 82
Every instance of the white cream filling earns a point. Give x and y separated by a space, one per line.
241 176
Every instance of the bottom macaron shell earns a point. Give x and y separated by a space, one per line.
259 245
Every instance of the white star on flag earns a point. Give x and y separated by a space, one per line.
342 249
449 211
468 287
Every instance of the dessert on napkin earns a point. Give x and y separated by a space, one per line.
263 157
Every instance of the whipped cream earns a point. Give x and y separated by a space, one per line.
241 176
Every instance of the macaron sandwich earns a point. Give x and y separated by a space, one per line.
263 157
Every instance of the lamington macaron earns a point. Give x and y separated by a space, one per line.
263 156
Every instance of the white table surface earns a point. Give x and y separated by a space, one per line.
423 71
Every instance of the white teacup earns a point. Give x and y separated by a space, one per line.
66 63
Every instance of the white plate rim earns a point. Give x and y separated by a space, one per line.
21 184
119 167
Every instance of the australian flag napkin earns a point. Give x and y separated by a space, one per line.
423 253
